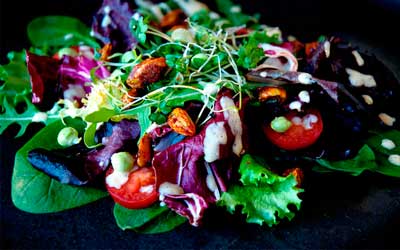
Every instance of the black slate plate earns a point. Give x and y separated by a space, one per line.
339 211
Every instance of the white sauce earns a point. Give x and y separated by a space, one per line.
106 21
327 48
136 16
146 189
73 92
305 78
297 120
295 105
39 117
235 9
190 6
263 74
368 99
210 89
358 79
304 96
359 59
117 179
231 114
394 159
167 188
388 144
215 136
308 120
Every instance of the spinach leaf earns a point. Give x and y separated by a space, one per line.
14 75
35 192
372 157
151 220
59 31
382 154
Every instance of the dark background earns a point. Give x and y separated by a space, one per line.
338 211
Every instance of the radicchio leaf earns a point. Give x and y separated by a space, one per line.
75 72
111 25
43 71
183 164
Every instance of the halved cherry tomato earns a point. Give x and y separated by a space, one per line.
297 136
138 192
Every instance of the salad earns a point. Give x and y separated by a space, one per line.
173 108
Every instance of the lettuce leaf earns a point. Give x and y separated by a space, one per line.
264 196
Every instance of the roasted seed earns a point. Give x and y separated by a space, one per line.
180 121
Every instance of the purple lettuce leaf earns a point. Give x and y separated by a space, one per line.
183 164
75 72
44 73
111 25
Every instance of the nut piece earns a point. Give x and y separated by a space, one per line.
267 93
146 72
144 153
172 18
298 174
180 121
105 52
129 97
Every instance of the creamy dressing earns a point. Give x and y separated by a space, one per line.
295 105
146 189
74 91
40 117
167 188
305 78
215 136
387 119
304 96
388 144
190 6
359 59
116 179
309 120
358 79
327 48
394 159
210 89
368 99
231 114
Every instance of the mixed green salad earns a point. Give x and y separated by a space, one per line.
172 108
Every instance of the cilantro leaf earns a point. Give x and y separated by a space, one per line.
250 54
264 196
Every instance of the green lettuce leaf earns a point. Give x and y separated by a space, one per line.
35 192
151 220
264 196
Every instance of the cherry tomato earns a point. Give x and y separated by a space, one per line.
138 192
301 134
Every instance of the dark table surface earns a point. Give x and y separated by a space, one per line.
338 211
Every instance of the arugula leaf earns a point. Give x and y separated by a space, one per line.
250 54
151 220
15 76
35 192
264 196
59 31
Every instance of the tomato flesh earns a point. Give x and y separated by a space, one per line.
138 192
297 136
